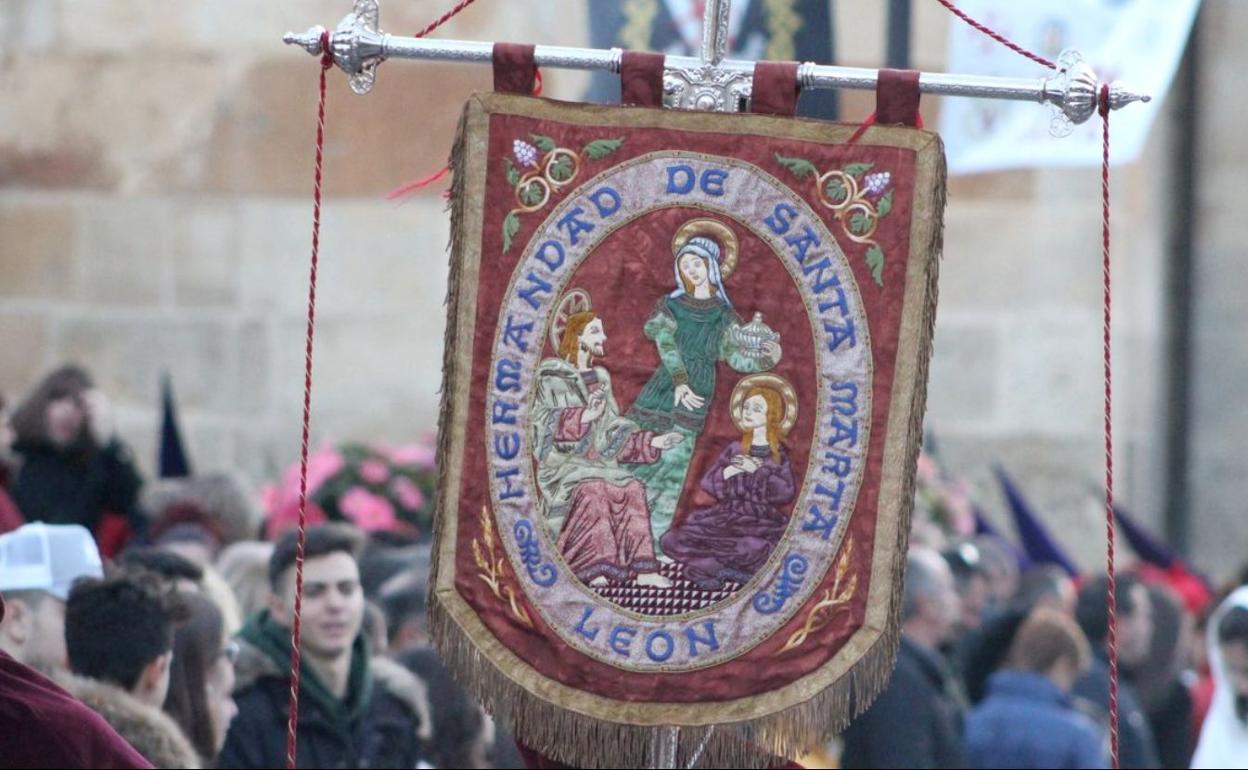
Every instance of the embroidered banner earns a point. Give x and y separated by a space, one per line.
684 380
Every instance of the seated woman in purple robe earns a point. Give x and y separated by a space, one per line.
752 483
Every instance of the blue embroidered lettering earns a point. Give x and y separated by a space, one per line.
709 640
780 219
713 181
554 261
585 631
683 187
503 412
614 197
817 522
669 646
507 375
536 286
840 333
621 638
507 445
509 492
514 334
823 281
837 464
803 242
844 399
572 222
846 431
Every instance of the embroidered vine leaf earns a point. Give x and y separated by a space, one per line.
886 204
531 194
511 226
858 169
835 190
561 169
544 143
875 261
801 168
859 223
513 176
601 148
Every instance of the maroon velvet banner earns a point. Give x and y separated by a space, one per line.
685 373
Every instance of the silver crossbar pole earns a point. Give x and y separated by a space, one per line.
710 83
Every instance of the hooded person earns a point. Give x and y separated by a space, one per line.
1224 737
355 710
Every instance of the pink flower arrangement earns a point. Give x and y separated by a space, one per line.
374 487
375 471
408 494
370 512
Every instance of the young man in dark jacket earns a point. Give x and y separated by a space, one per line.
354 710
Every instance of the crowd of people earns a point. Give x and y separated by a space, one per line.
153 628
1002 669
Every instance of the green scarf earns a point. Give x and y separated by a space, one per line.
273 639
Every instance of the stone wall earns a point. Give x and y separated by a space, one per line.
155 178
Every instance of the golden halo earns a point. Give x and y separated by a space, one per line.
776 383
573 302
716 231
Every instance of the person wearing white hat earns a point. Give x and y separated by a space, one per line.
38 565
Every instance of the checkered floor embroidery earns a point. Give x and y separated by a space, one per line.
682 597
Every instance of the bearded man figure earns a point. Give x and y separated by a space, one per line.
597 508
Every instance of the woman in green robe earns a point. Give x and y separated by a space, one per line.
693 329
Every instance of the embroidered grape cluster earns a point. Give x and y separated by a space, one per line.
874 184
526 154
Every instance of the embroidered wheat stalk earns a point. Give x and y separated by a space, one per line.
833 600
492 568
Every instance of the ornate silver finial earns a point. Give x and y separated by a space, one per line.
1075 99
1120 96
1075 91
357 45
309 41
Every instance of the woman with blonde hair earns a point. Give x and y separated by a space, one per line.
752 483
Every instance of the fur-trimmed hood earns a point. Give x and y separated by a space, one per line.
253 664
151 732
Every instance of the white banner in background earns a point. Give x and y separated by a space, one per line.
1138 42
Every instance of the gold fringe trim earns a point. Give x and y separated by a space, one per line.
576 739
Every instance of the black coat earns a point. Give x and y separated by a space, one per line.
1136 748
391 733
916 722
76 485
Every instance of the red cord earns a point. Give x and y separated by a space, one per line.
1111 587
417 184
870 121
997 36
444 18
327 61
1103 108
408 188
